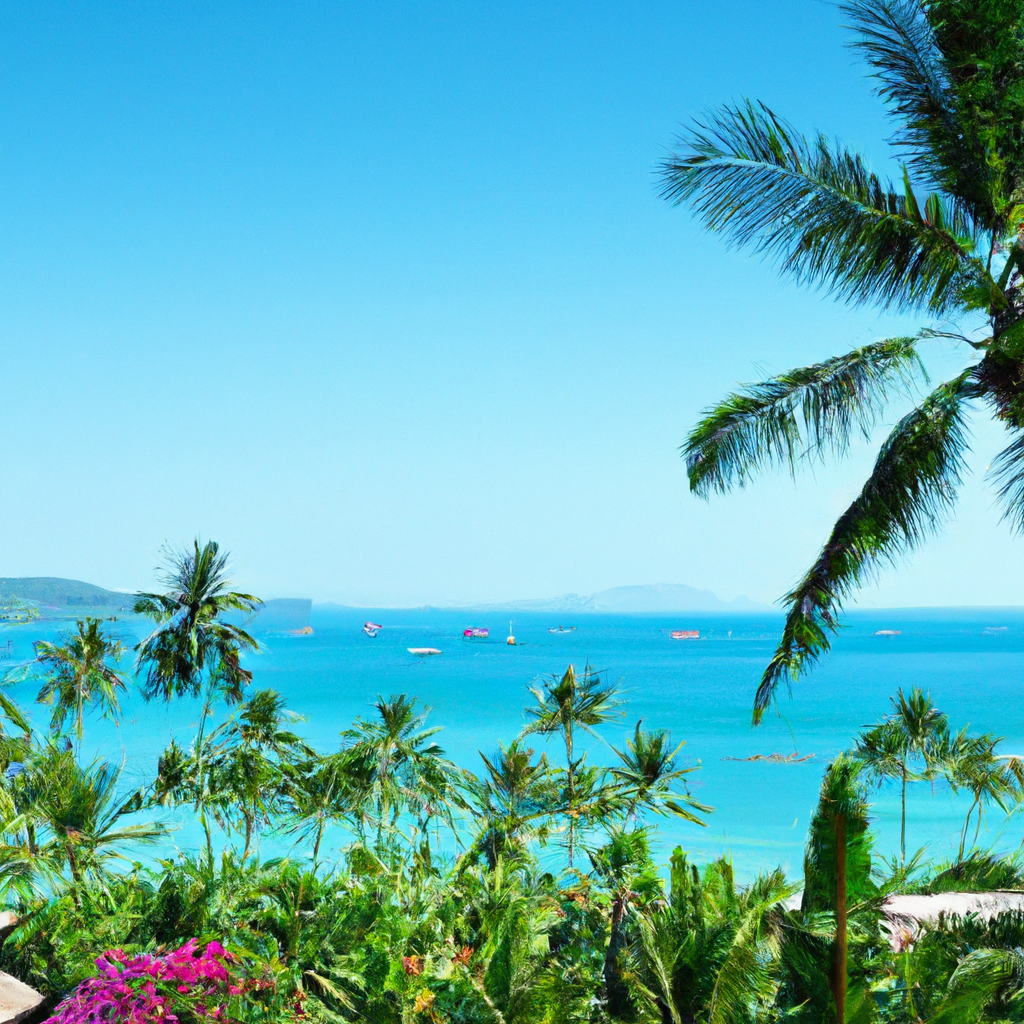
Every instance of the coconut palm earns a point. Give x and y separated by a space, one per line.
512 803
405 770
81 670
970 763
915 731
944 242
78 810
647 773
194 651
711 952
565 704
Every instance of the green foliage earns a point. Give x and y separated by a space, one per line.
945 242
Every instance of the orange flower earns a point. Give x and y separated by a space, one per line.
462 957
412 964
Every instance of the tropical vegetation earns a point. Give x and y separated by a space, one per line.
414 889
944 242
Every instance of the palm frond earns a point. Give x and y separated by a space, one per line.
804 413
816 207
898 42
911 487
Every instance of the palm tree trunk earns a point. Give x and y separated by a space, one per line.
572 789
316 843
209 835
903 816
839 967
963 833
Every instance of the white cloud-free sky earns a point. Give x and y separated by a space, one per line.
382 298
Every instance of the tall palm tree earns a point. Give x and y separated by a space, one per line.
837 865
916 730
944 242
564 705
81 670
194 651
971 763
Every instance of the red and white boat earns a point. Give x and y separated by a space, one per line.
685 634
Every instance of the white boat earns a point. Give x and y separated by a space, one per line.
371 628
561 629
422 652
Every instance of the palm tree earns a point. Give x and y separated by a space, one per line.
837 864
971 763
915 729
647 774
405 770
319 792
564 705
81 670
193 651
79 811
512 803
945 242
711 952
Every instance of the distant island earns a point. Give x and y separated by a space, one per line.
657 597
57 593
61 598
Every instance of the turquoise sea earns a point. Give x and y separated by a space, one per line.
972 661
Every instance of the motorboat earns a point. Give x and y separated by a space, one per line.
685 634
561 629
476 632
422 652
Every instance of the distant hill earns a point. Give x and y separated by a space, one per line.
658 597
54 592
74 596
665 597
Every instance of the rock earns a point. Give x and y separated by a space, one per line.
18 1002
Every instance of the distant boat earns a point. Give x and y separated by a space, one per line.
477 631
371 628
889 632
422 652
685 634
511 641
561 629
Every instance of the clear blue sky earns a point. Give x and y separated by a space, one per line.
382 298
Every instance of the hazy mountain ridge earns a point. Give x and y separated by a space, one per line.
657 597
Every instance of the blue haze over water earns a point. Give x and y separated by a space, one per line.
971 660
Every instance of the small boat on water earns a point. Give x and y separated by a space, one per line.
685 634
480 632
561 629
422 652
889 632
372 628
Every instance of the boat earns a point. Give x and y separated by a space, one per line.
476 631
685 634
422 652
511 641
561 629
889 632
371 628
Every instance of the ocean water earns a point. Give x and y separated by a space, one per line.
972 662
